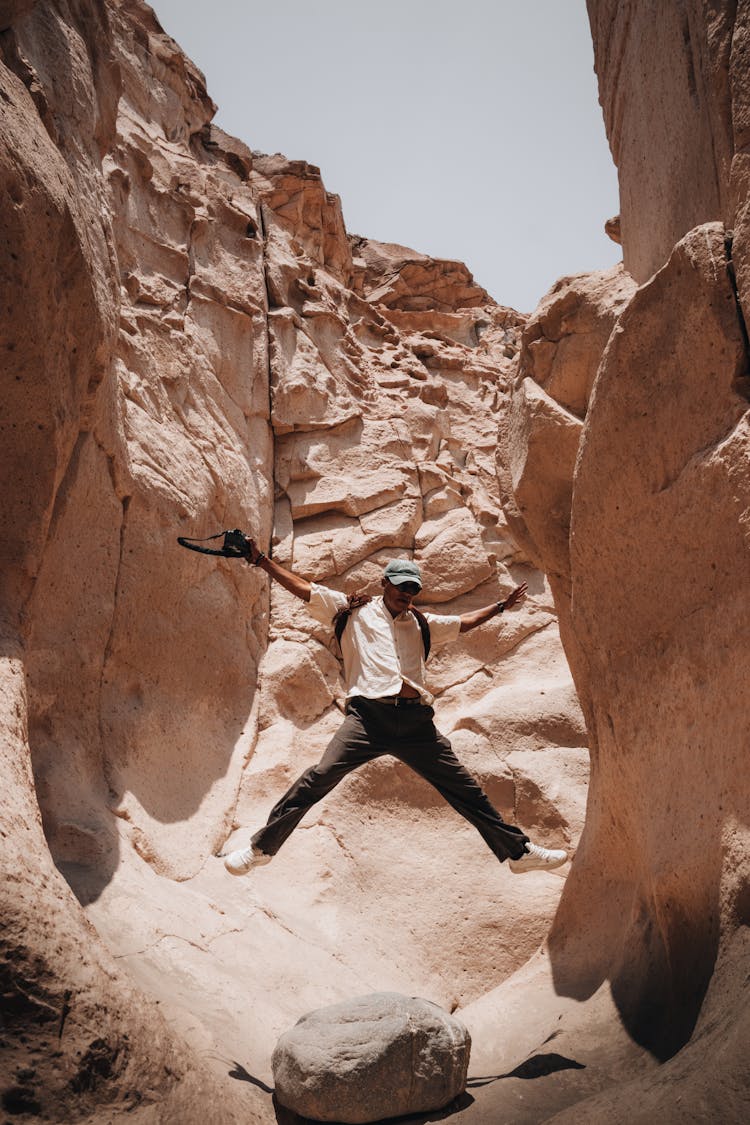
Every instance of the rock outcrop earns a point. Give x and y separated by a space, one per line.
677 135
377 1056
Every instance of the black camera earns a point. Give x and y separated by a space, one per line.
236 543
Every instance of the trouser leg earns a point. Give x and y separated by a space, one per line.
349 748
430 754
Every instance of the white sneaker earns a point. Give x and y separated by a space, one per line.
242 861
538 858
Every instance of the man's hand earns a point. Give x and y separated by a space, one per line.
252 552
479 616
515 596
292 582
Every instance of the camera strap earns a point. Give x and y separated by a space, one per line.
226 550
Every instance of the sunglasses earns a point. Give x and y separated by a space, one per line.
410 588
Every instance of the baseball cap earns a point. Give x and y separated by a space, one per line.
399 571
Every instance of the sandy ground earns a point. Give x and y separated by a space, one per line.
234 962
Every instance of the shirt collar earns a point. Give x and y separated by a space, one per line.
384 610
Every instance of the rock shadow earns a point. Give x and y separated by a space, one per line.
538 1066
242 1075
152 722
460 1103
655 946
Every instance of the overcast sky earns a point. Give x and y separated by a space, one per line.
465 129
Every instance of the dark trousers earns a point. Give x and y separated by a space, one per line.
407 732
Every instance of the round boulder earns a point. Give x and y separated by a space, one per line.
377 1056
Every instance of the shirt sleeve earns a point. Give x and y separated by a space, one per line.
444 628
325 603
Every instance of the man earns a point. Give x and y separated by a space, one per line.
388 711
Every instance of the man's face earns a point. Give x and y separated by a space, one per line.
398 599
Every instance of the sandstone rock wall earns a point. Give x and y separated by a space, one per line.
192 341
176 439
647 552
669 800
195 342
76 1034
671 78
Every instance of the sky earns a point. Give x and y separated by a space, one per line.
465 129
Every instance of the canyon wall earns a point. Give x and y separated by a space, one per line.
194 342
76 1033
643 530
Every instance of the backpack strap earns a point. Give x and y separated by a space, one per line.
340 618
356 600
424 628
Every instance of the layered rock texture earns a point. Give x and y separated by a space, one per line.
192 341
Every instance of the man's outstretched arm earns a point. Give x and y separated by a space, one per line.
479 616
300 587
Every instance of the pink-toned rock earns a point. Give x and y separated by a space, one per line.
649 579
653 669
561 350
61 551
612 229
565 337
670 132
294 191
217 359
399 278
451 552
658 551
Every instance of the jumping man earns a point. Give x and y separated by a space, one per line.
384 643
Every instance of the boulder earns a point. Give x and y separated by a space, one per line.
377 1056
563 341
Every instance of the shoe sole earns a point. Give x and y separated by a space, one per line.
537 866
260 862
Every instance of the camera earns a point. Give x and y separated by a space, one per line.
237 543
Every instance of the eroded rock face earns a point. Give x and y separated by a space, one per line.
195 342
59 297
648 559
401 279
177 434
208 348
377 1056
386 428
674 612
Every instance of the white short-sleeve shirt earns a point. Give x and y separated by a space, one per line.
380 651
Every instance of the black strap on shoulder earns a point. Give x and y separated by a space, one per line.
425 631
340 618
356 600
230 549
